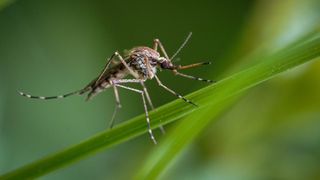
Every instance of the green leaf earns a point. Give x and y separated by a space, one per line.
213 98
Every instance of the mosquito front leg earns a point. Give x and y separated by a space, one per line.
145 109
192 77
157 43
173 92
179 67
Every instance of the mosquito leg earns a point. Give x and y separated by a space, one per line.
105 68
192 65
126 65
79 92
118 104
116 94
120 81
96 82
173 92
150 102
147 94
157 43
194 78
145 109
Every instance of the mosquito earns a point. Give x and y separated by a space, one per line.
142 64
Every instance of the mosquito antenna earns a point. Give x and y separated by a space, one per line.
176 59
182 45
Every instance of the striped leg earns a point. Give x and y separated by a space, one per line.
173 92
116 94
147 94
79 92
145 109
192 66
150 103
120 81
194 78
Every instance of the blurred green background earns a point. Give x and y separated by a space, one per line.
53 47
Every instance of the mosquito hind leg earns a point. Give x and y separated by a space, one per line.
78 92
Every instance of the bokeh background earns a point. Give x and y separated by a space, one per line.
53 47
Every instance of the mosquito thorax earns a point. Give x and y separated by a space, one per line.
147 52
144 61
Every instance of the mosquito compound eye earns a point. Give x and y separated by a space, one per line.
154 62
166 65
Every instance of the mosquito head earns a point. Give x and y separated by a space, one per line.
165 63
